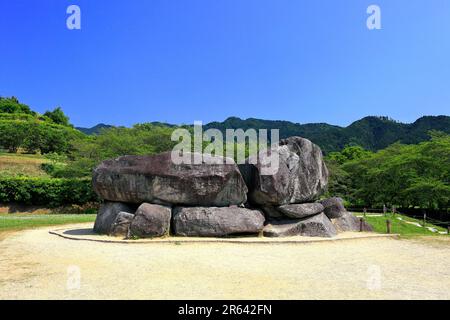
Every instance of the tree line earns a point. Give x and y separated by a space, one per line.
407 176
22 128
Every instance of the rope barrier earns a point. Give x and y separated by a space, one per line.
415 216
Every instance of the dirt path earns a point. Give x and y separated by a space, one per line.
36 264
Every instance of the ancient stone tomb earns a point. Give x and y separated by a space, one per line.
150 196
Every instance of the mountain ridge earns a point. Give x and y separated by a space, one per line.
371 132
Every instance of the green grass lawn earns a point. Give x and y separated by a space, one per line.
20 221
401 227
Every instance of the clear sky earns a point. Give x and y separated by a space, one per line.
185 60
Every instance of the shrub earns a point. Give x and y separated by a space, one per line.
45 191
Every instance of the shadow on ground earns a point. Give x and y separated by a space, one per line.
80 232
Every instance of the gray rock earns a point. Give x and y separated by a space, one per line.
334 207
272 212
216 222
151 220
314 226
157 179
299 211
366 227
107 214
121 225
348 222
301 176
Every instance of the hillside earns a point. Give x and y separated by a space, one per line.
31 132
372 133
99 127
23 128
95 129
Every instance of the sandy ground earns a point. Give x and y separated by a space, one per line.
37 265
86 233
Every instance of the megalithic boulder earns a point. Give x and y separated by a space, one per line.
302 175
157 179
216 222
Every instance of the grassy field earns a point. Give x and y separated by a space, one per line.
401 226
12 164
20 221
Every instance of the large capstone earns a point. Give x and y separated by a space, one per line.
315 226
216 222
151 220
301 176
158 179
107 215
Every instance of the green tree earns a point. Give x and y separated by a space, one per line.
12 105
12 135
404 175
428 193
58 116
32 140
142 139
349 153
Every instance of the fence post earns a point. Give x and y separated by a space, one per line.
364 212
424 219
388 226
361 224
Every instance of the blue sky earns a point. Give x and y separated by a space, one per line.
185 60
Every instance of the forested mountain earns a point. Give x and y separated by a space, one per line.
372 133
95 129
98 128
